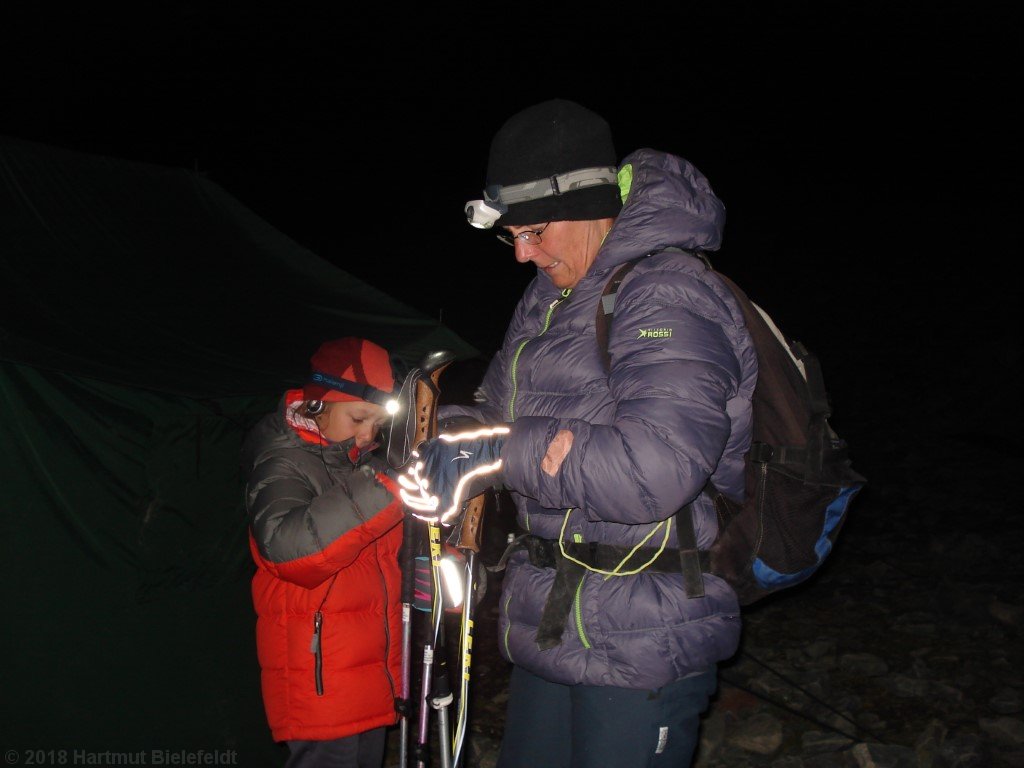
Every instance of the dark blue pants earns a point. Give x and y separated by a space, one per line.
364 750
548 725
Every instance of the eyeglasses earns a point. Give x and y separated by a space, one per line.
528 236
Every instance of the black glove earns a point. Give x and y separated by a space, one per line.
451 469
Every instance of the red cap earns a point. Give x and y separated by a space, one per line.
346 361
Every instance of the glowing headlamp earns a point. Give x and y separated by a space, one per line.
483 214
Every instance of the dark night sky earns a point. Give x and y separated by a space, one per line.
867 155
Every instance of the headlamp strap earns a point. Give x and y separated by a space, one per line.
559 184
362 391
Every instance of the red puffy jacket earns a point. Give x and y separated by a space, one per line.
325 534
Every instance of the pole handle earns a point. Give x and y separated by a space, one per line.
472 519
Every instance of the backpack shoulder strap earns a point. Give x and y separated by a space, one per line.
606 309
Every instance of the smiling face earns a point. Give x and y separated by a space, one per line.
359 419
566 251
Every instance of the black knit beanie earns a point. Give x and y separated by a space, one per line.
550 138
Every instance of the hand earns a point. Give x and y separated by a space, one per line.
451 469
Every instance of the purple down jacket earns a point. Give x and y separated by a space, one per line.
674 412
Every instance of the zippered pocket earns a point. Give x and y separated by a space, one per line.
316 644
316 648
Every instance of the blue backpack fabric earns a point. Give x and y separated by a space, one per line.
798 476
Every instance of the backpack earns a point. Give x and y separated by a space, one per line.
798 478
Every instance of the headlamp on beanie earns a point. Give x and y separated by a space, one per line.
351 369
483 214
356 390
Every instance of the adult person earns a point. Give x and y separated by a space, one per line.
325 532
613 659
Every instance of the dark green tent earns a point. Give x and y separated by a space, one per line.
148 319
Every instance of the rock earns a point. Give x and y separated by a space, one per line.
865 664
870 721
830 760
712 734
929 744
916 623
965 752
482 751
1007 701
816 649
760 733
947 696
1005 730
879 572
1005 613
908 687
884 756
1008 673
730 757
773 687
815 742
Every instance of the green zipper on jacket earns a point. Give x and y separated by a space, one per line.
577 608
515 358
578 611
515 363
512 417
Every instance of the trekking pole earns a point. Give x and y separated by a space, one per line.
436 690
432 683
408 590
414 422
469 544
